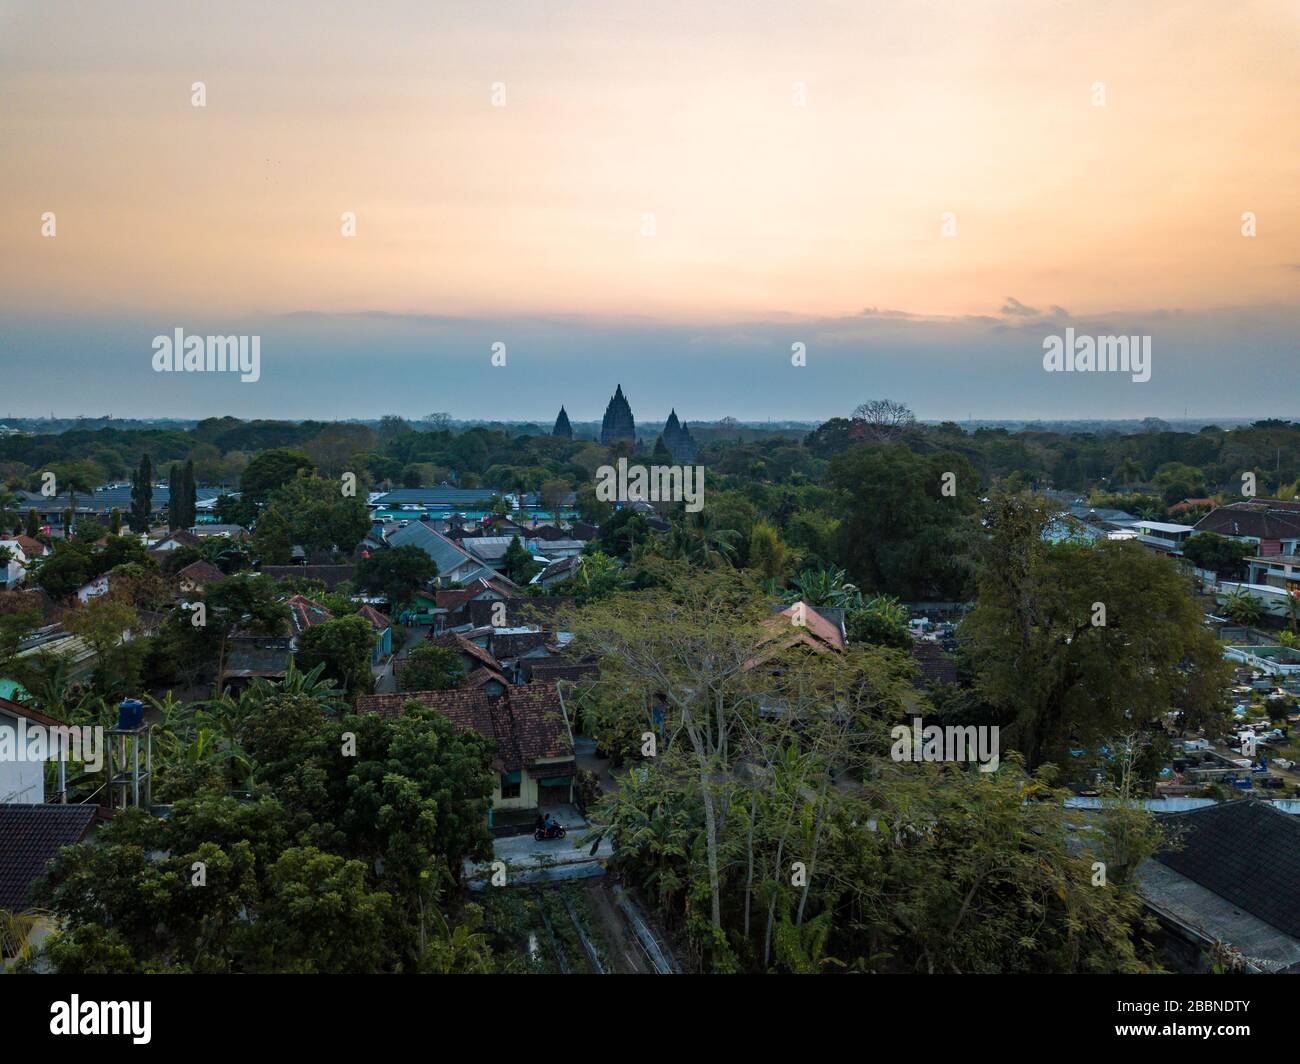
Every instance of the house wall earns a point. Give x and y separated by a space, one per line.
566 760
97 587
21 782
527 793
15 571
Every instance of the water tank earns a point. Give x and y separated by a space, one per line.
130 714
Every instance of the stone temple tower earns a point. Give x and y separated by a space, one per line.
618 423
679 441
562 426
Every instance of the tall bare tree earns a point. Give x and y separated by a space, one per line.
884 419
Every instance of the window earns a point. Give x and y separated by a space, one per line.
510 784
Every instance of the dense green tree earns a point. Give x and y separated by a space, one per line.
1219 554
880 620
1075 644
321 518
142 496
518 563
273 538
270 470
63 570
343 645
430 667
624 530
396 574
907 520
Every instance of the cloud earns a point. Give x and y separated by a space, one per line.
1017 309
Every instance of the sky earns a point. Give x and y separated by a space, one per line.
667 196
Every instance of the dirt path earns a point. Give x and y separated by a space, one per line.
624 952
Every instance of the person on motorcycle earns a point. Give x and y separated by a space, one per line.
548 825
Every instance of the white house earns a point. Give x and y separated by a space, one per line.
13 574
21 782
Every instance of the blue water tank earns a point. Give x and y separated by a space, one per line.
130 714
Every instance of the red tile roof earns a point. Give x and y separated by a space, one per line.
783 632
457 597
378 621
1259 519
304 614
33 548
526 721
200 572
457 642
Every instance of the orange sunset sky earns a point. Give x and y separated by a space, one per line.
684 110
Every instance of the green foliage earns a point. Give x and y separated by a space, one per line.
900 533
141 495
1043 655
518 563
430 667
396 574
343 646
1219 554
880 620
271 470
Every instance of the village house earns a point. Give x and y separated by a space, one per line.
564 569
383 629
534 764
176 540
1271 526
197 575
14 572
455 564
21 782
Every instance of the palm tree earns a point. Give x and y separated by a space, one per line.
823 587
887 608
15 934
460 949
802 947
690 539
332 699
1243 607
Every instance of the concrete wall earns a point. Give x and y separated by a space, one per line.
527 793
21 782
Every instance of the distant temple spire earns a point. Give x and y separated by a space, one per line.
679 441
562 426
618 423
